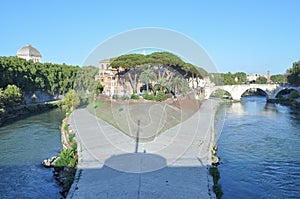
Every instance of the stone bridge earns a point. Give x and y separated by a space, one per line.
236 91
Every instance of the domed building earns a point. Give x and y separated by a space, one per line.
29 53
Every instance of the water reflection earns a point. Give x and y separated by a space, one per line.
270 109
237 108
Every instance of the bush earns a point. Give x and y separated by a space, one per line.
135 96
148 96
160 96
11 96
293 95
66 127
74 146
71 137
67 157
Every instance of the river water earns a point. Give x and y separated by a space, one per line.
23 146
259 146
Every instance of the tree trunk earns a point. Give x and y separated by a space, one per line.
131 82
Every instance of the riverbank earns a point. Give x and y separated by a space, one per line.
22 111
175 164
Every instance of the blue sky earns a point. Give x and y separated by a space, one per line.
250 36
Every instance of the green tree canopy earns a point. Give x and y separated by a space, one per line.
278 78
241 77
294 74
30 76
71 101
129 61
261 80
228 78
85 82
11 96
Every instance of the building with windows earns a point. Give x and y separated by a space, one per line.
111 79
29 53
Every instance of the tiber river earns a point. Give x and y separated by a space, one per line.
24 144
259 146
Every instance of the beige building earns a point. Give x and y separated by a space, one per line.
111 79
29 53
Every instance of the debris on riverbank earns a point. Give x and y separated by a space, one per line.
50 162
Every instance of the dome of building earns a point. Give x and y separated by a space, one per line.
29 53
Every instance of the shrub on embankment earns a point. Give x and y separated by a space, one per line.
65 169
66 165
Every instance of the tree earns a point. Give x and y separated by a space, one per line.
261 80
85 82
294 74
71 101
30 76
179 85
241 77
2 98
99 88
159 60
228 78
278 79
147 76
130 62
12 96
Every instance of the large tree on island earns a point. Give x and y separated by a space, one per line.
156 59
128 62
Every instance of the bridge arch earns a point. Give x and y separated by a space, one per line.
219 88
266 94
285 88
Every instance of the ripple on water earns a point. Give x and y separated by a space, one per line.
259 150
23 145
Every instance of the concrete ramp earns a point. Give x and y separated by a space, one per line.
114 165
